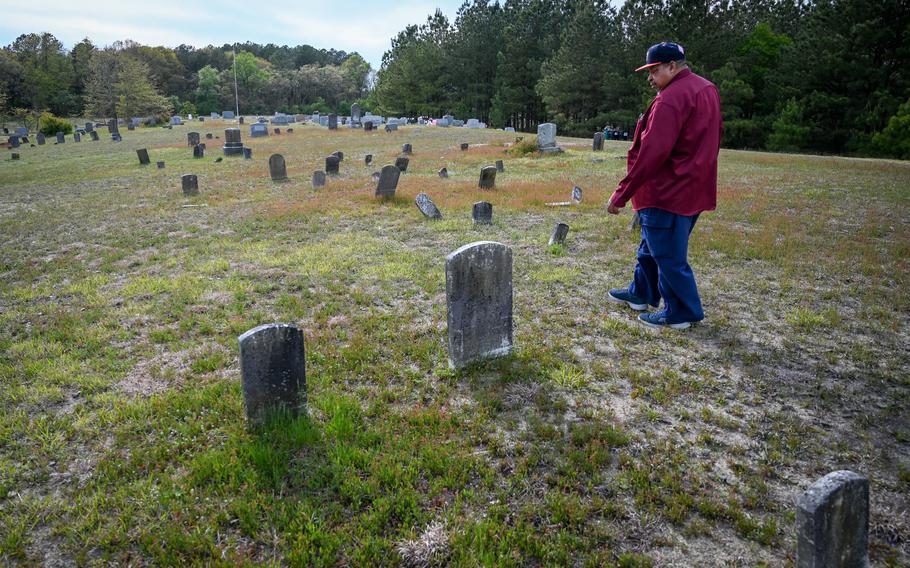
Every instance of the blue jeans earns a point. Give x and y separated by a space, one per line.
663 269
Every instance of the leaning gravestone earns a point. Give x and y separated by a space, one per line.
40 138
546 138
368 159
277 168
406 149
558 237
272 371
61 138
576 194
331 165
318 178
487 177
482 213
427 207
143 156
192 138
402 164
94 135
598 143
388 181
479 301
233 146
190 184
443 173
199 151
333 121
500 166
832 522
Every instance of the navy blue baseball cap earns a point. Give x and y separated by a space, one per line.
663 53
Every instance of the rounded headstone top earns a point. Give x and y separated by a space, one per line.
476 246
266 327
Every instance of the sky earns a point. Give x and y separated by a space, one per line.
366 27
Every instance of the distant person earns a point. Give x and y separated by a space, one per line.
671 179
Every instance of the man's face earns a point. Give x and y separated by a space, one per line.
659 76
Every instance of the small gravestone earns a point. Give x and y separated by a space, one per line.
546 138
89 127
247 153
500 166
388 181
558 237
402 164
143 157
331 165
258 129
13 141
338 154
25 140
199 151
482 213
240 120
190 184
487 177
318 178
227 115
14 156
391 127
233 146
277 131
406 149
40 138
598 143
290 130
443 173
375 176
94 135
272 371
576 194
131 126
192 138
209 136
368 159
464 145
368 126
160 165
427 207
61 138
479 301
277 168
333 121
832 522
77 137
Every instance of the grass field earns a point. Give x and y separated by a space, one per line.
598 443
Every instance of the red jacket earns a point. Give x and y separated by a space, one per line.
672 164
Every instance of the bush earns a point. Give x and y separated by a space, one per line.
50 125
787 132
894 140
523 146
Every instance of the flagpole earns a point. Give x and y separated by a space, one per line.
236 98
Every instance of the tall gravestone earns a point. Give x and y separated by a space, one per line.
368 159
277 168
355 114
192 138
143 157
559 234
233 146
333 121
546 138
832 522
318 178
487 177
482 213
332 165
598 143
388 181
199 151
272 371
402 164
500 167
94 135
427 207
479 302
40 138
189 184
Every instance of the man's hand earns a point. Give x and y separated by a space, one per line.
612 209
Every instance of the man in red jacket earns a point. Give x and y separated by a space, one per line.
671 179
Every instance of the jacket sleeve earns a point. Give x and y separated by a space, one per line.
657 141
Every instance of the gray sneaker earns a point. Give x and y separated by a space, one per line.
623 296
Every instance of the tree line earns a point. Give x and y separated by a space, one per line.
127 79
827 76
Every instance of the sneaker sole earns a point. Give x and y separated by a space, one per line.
636 307
680 325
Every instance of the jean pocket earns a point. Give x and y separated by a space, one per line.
654 218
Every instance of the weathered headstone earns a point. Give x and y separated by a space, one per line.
576 194
233 146
199 151
355 114
832 521
190 184
192 138
143 156
546 138
227 115
40 139
247 153
482 213
427 207
130 126
318 178
368 159
443 173
258 129
277 168
61 138
500 167
406 149
272 371
290 131
402 164
479 301
77 137
368 126
487 177
89 127
240 120
209 136
558 237
333 121
391 127
338 154
94 135
160 165
388 181
331 165
598 143
464 145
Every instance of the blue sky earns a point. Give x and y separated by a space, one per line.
366 27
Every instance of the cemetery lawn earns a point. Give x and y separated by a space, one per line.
599 442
